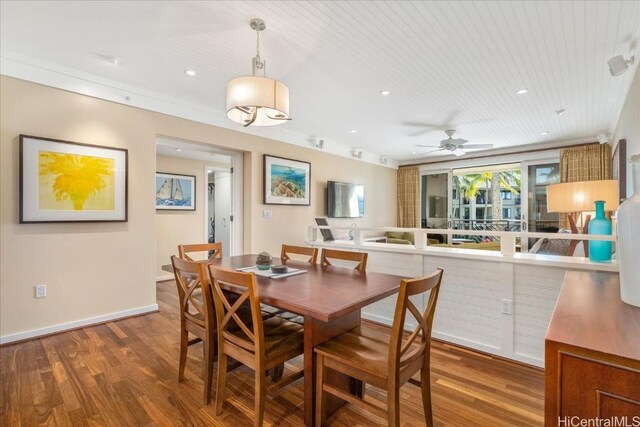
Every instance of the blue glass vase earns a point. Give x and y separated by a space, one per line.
599 250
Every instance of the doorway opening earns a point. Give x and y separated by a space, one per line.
217 213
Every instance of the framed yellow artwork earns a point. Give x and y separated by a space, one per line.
64 181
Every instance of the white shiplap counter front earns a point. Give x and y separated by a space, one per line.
475 283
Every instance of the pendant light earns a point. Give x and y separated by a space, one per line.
257 100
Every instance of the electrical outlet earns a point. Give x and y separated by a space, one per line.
266 213
507 306
41 291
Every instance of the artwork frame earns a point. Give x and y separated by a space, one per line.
66 181
299 181
181 182
619 167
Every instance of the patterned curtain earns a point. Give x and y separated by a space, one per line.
408 197
584 163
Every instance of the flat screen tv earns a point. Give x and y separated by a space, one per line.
345 200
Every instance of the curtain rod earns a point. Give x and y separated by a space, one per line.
503 154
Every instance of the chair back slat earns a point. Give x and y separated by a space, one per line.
359 257
299 250
418 331
232 315
191 277
225 283
401 353
213 250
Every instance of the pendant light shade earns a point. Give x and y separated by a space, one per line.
257 100
265 98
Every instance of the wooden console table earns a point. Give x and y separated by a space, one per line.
592 352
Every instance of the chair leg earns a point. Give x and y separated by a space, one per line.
261 391
320 395
393 407
277 372
208 368
220 381
425 387
184 345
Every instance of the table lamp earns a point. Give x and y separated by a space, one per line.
583 196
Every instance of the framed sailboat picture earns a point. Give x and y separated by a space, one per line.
175 192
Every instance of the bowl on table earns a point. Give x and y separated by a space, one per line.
279 269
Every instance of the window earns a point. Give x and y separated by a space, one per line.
506 195
481 196
506 213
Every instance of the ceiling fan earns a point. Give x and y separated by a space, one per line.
455 145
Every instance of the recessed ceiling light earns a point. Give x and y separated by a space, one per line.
560 111
522 91
546 132
354 131
413 152
384 92
178 149
190 72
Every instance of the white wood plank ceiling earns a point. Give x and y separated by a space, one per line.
446 64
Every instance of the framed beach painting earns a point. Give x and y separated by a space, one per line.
64 181
619 167
175 192
286 181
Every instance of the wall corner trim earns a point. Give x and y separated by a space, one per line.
62 327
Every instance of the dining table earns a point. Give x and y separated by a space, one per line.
329 299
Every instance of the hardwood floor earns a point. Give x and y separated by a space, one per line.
125 373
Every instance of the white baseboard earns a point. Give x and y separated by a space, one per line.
164 278
77 324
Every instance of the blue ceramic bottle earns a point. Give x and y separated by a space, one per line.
600 250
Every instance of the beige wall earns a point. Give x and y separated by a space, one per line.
99 269
629 125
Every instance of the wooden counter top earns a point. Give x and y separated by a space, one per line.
590 314
592 353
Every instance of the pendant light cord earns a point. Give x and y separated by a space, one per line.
258 63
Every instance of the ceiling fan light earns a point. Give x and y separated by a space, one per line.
270 98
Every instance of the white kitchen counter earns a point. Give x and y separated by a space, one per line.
492 302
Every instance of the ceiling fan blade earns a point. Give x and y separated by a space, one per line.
422 132
428 146
422 125
478 146
427 152
458 152
458 141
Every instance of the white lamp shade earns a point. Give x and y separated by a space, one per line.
581 196
270 96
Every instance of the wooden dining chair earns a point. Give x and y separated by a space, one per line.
359 257
196 316
299 250
284 256
213 250
383 360
261 345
